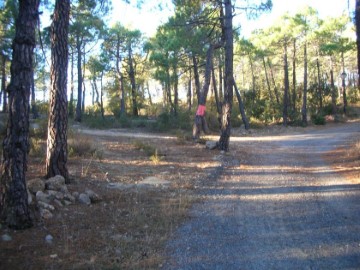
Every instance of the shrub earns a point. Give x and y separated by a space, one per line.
82 146
318 119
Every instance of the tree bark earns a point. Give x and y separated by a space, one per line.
319 83
293 103
34 109
304 105
71 104
189 92
200 121
241 107
333 90
14 207
274 83
286 86
56 156
78 112
196 77
216 95
133 83
267 82
3 84
224 140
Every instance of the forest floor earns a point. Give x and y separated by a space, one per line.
140 226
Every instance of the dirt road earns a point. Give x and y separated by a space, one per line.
283 208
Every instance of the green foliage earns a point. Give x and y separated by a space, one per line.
318 119
147 148
38 128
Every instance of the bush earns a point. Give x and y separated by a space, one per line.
80 145
318 119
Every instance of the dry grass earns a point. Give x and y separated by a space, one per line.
346 160
127 229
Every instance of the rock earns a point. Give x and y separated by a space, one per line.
35 185
69 197
120 186
66 202
211 145
45 205
56 194
94 198
58 203
30 198
49 239
56 183
84 199
45 213
75 194
44 197
153 181
6 238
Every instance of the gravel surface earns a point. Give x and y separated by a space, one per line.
281 207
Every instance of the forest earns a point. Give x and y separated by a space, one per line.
299 70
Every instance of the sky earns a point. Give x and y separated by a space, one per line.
150 16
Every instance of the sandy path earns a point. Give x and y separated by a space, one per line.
283 208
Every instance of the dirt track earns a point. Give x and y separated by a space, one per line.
283 208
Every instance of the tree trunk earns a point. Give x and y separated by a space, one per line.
216 95
286 86
293 103
71 105
56 156
319 83
78 112
33 101
267 82
224 140
83 83
343 84
200 121
14 206
304 105
101 97
176 91
133 84
189 92
357 26
241 107
221 80
333 90
3 83
274 83
196 77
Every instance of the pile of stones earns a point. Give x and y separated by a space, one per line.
53 193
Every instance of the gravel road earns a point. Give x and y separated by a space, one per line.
280 208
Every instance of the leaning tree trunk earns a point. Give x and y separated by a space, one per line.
14 206
241 107
224 140
56 156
